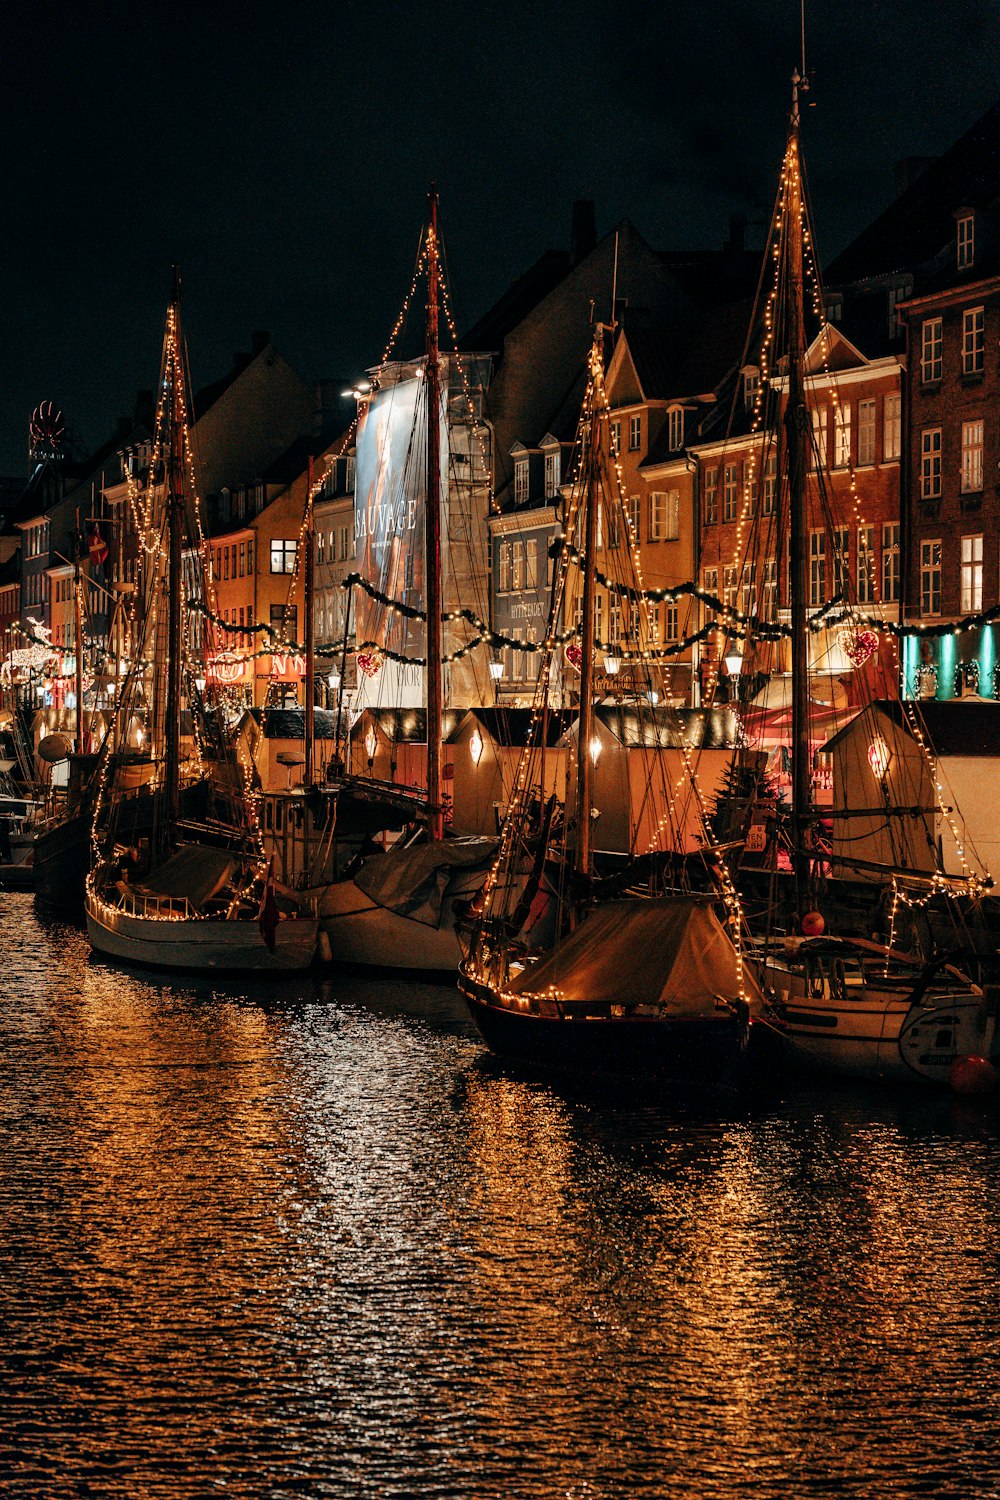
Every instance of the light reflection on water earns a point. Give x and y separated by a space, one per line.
303 1237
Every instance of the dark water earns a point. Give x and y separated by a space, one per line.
303 1239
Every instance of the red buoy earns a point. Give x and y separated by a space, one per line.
812 924
973 1075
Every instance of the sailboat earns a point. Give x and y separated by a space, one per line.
579 960
845 1004
171 891
402 907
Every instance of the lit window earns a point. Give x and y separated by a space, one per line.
517 566
671 622
930 463
890 562
551 475
730 491
634 516
634 432
972 457
842 436
973 340
931 347
892 428
972 574
664 515
520 481
283 556
866 564
817 568
930 578
531 579
819 421
503 569
866 433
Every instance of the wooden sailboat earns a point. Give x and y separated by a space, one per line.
845 1004
403 908
183 895
574 963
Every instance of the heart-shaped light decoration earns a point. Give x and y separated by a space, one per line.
858 646
574 653
370 662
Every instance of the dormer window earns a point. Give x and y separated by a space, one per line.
834 307
965 241
551 475
520 481
751 385
675 428
901 292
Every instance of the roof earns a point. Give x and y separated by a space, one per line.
915 227
956 726
517 301
512 726
406 726
641 726
290 723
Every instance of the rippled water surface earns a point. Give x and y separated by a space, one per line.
303 1238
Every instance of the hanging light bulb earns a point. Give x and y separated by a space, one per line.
476 747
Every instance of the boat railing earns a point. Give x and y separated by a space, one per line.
138 903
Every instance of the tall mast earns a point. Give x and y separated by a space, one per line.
175 528
78 633
308 581
588 488
797 431
432 527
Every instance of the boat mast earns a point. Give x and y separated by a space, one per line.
588 492
78 633
175 528
797 427
432 527
308 588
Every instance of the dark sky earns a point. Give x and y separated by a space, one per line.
282 154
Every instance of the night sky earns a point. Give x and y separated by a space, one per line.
282 154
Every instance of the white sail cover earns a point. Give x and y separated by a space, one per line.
671 952
412 881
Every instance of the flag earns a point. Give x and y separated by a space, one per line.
97 547
267 917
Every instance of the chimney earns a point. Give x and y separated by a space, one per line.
909 169
259 341
737 241
583 237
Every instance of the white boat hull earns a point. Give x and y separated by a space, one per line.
881 1035
193 945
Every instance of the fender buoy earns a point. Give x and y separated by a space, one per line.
973 1075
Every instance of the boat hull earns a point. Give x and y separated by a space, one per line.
368 936
725 1050
194 946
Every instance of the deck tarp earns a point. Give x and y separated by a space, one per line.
672 952
413 881
195 871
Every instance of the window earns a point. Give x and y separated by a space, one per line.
671 622
972 457
841 565
600 524
283 556
817 568
930 463
517 566
819 420
345 543
616 438
634 516
769 589
285 622
225 563
664 515
866 564
930 578
890 563
751 385
634 432
973 340
770 484
531 579
748 589
972 574
710 581
897 294
931 345
965 242
842 436
711 497
614 620
730 491
866 433
675 428
614 531
503 568
892 428
520 481
551 475
250 556
730 585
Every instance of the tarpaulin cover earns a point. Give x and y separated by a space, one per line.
672 952
412 881
195 871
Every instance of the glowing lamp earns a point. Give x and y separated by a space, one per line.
653 697
334 680
595 749
612 665
476 747
496 670
371 744
879 756
200 683
734 664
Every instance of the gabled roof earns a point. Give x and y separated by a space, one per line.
406 726
512 726
920 222
956 726
641 726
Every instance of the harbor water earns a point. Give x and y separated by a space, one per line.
303 1237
